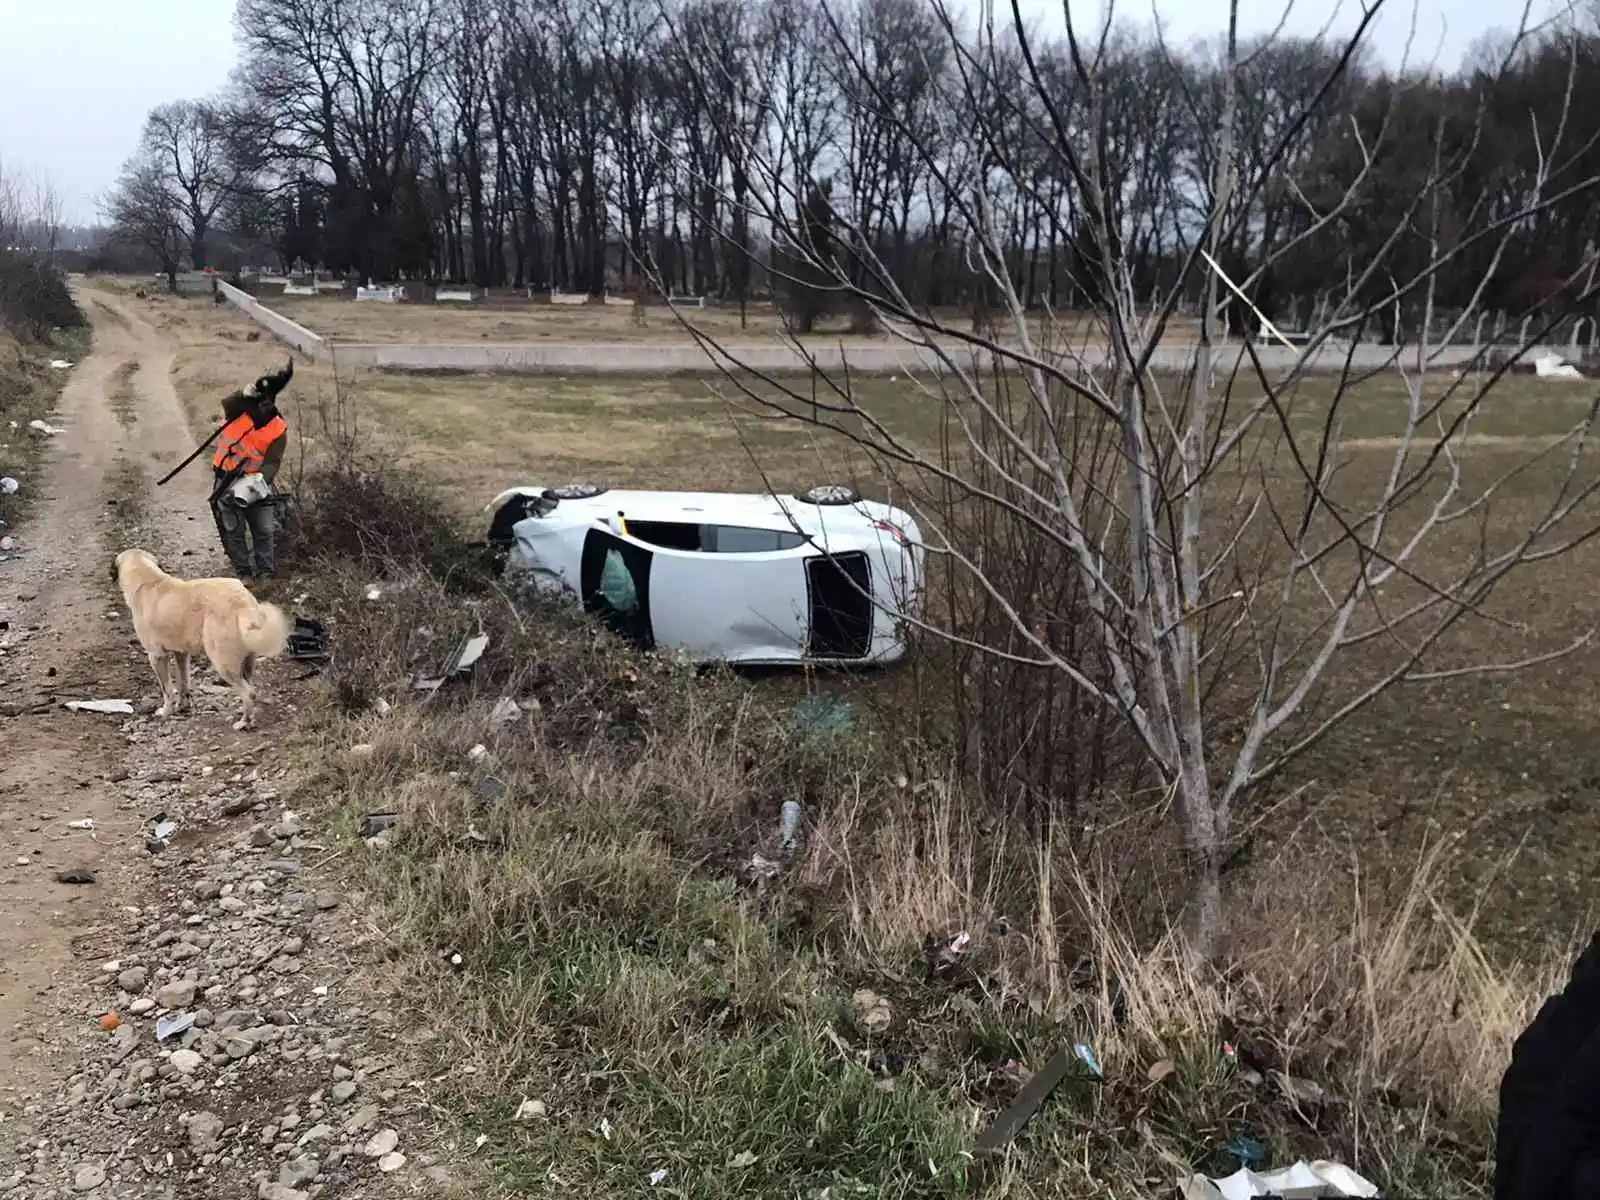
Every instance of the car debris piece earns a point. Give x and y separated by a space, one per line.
375 823
1302 1181
308 641
122 708
461 659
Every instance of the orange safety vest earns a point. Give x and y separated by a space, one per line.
241 446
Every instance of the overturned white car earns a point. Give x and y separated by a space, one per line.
821 577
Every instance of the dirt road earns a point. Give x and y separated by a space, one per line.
223 926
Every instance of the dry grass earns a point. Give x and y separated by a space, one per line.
1503 764
616 961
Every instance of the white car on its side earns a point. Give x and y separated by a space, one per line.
820 577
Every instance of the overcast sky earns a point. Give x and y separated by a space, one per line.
78 76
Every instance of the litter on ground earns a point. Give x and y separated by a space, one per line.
123 708
39 426
60 364
173 1024
1302 1181
469 651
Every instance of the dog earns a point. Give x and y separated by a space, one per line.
175 618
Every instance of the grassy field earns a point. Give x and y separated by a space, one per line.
671 1014
1504 762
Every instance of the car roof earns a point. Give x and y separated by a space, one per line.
748 509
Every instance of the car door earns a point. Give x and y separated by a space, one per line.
730 607
614 584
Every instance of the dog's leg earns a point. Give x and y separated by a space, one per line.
159 662
243 688
183 700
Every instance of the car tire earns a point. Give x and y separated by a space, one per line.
577 491
829 495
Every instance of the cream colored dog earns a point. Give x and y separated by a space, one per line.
175 618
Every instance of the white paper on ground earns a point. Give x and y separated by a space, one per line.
1302 1181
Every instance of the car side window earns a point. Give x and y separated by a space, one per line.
738 539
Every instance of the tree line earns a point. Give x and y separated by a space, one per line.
585 147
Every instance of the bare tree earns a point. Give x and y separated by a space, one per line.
143 210
189 141
1197 492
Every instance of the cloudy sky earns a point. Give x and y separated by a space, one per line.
77 76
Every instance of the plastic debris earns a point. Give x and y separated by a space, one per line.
529 1109
162 828
1302 1181
60 364
506 711
173 1024
110 1021
8 485
789 824
121 708
1248 1151
42 427
374 592
657 1176
81 823
1086 1056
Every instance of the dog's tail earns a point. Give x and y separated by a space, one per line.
264 630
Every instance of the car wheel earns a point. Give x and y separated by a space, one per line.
577 491
829 494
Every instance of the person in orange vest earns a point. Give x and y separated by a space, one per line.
249 452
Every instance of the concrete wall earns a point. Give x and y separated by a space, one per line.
579 358
285 330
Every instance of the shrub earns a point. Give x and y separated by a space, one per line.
34 298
